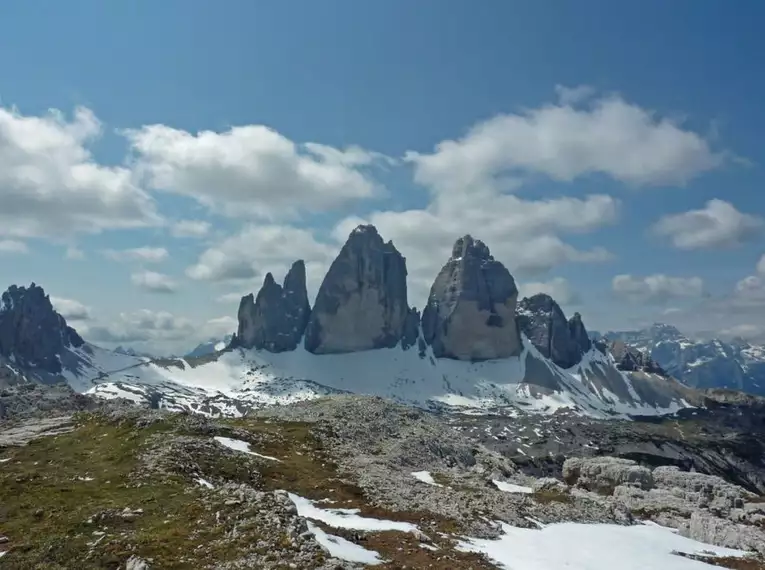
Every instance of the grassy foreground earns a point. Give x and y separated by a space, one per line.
72 501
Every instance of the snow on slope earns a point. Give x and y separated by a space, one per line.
241 379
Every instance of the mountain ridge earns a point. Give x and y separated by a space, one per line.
471 349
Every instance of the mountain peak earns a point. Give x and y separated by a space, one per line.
362 301
470 314
466 247
543 322
276 318
31 331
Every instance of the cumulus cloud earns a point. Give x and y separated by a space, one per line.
153 282
12 246
190 229
221 326
657 288
251 170
51 186
143 326
70 309
256 250
718 225
566 140
231 297
558 288
144 254
761 266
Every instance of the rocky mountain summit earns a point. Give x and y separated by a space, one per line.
362 302
563 341
32 334
470 313
276 319
735 365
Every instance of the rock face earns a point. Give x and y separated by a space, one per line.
630 359
470 314
604 474
541 319
32 333
276 319
362 302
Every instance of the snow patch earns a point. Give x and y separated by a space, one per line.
346 518
425 477
343 549
593 547
511 487
241 446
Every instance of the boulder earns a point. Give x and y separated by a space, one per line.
604 474
362 302
277 318
470 314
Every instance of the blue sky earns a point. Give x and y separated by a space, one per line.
561 135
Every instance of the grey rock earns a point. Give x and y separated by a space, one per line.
604 474
31 429
705 527
32 333
630 359
276 319
542 320
578 333
362 302
470 314
548 484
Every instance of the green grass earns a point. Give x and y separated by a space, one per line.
44 508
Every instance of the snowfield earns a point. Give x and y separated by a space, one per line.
241 379
594 547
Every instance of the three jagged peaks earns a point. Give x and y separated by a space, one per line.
362 305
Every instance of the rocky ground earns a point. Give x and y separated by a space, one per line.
108 485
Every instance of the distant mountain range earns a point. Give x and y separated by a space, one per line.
735 365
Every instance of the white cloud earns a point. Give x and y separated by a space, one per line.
70 309
144 326
719 224
51 186
747 331
230 297
558 288
761 266
12 246
144 254
221 326
657 288
251 170
73 253
190 229
563 141
153 282
256 250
